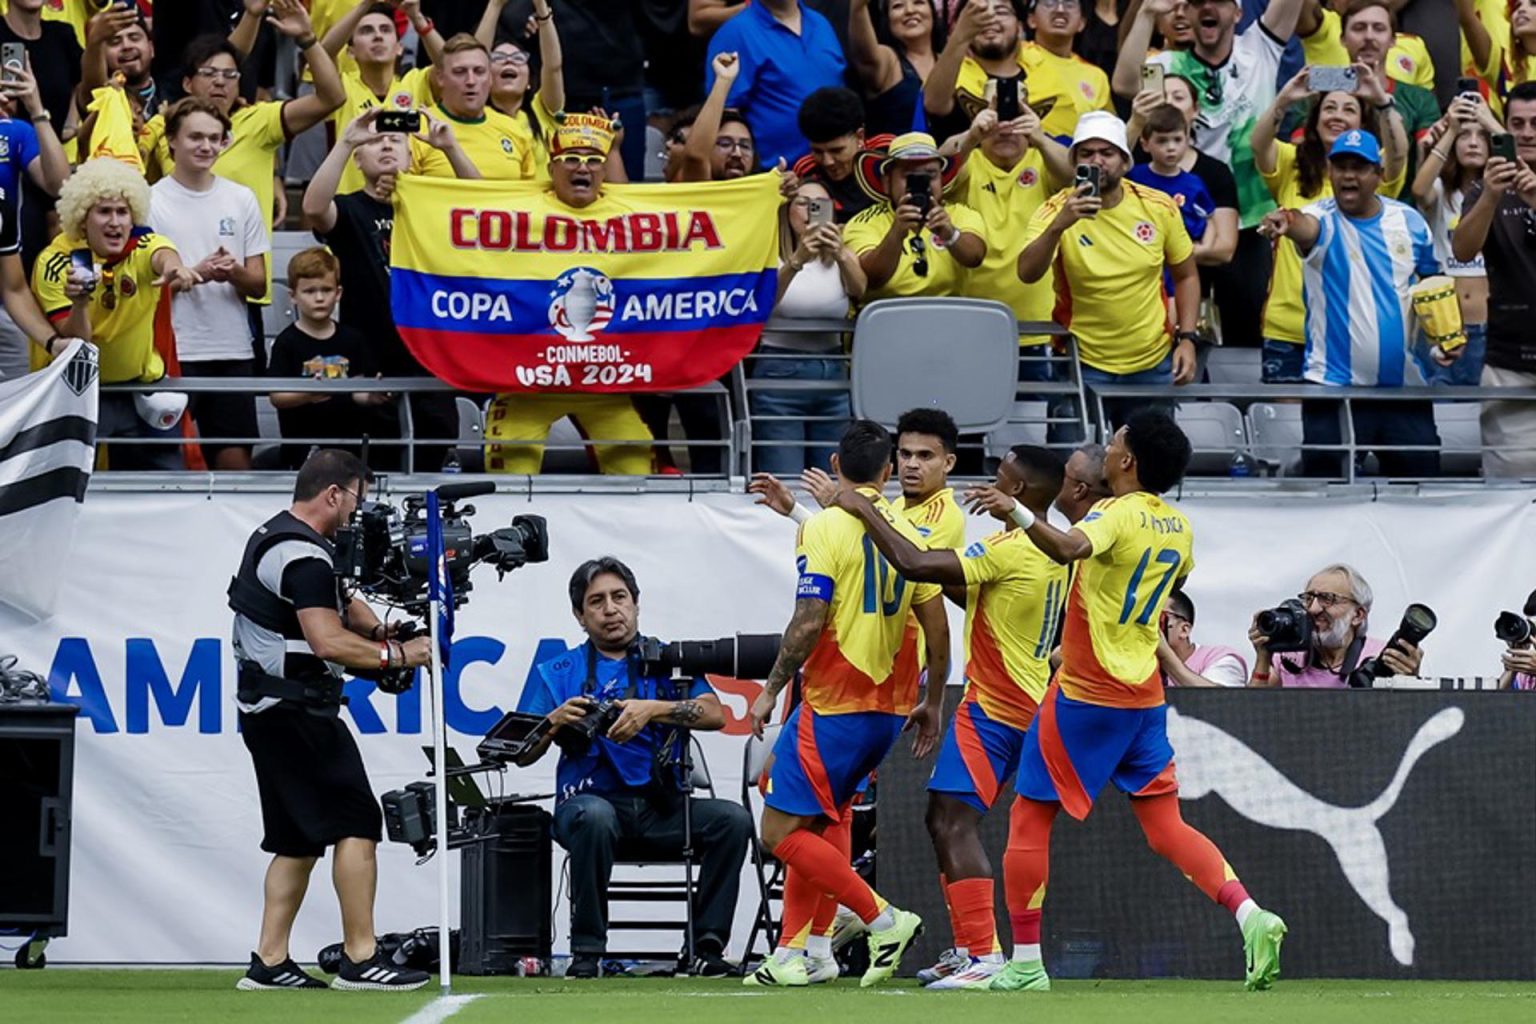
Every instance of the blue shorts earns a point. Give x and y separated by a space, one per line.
1072 749
977 757
820 760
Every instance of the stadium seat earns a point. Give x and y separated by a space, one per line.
277 317
1274 428
1026 425
266 455
471 436
641 886
1461 438
960 355
1215 432
770 871
1227 365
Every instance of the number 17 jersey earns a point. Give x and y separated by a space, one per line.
1142 548
856 663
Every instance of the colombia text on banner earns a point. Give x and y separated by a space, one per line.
501 287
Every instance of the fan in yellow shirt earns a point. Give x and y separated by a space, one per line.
1321 34
1110 250
501 147
538 112
1009 170
102 210
1499 44
368 38
1298 175
903 252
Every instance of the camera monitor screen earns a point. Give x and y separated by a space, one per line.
509 737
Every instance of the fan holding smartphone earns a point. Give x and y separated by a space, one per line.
1111 239
914 243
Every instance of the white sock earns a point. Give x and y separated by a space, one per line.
1244 909
818 947
1027 953
961 950
887 919
784 954
995 957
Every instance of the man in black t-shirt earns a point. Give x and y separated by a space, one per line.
1498 219
358 227
832 121
53 56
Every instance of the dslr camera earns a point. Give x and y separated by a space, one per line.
743 656
1288 627
1515 629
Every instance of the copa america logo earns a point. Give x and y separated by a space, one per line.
581 303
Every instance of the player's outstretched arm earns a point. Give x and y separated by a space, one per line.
800 635
1061 546
914 563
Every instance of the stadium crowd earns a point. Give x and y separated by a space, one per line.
1306 180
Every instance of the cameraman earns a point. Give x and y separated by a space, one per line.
1520 658
625 789
294 632
1338 600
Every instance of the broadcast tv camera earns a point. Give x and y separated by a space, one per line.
383 551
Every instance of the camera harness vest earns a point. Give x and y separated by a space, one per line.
678 762
306 679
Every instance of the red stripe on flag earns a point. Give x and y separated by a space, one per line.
479 361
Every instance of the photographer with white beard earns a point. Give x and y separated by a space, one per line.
1337 599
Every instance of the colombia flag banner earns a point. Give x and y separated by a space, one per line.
499 286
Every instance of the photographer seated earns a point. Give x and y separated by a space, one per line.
622 790
1186 663
1331 615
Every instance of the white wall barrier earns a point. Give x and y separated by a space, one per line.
166 866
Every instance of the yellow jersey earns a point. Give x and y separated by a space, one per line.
1407 61
500 147
1109 276
1013 597
1283 307
323 15
1142 548
1006 197
1058 89
407 91
122 306
74 13
945 277
938 517
855 665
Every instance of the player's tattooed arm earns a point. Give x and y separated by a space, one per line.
800 635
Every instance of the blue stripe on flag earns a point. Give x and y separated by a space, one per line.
484 305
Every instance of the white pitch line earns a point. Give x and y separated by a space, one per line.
440 1009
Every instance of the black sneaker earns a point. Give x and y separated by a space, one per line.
584 967
377 973
287 974
708 964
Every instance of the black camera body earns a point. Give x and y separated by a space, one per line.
1512 628
1288 627
576 738
383 550
920 192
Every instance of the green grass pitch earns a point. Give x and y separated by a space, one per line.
70 996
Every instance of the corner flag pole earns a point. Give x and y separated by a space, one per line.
436 593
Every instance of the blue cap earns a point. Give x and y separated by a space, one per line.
1356 142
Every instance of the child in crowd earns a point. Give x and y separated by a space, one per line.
1165 138
318 347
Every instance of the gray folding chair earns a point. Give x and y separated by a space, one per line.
959 355
769 870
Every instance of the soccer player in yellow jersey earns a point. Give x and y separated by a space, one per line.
370 34
849 619
1013 598
926 440
501 147
1103 718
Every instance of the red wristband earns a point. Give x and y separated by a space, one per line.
385 654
